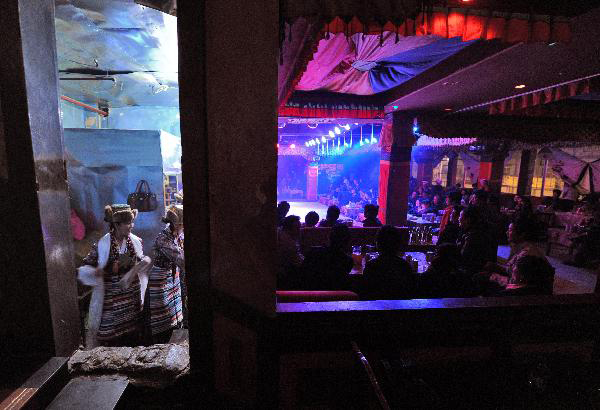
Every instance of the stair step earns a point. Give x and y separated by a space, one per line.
91 392
40 387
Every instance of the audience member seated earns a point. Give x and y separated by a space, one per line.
333 213
288 252
539 276
452 201
371 219
554 202
327 268
465 195
388 276
474 243
570 193
425 207
282 209
413 199
586 242
436 204
443 278
451 232
530 277
311 219
484 185
437 188
523 209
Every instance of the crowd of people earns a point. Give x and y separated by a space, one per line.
464 263
136 300
352 190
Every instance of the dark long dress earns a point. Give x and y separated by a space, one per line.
164 287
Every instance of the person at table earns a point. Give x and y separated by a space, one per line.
426 207
452 201
569 193
586 242
523 209
164 299
495 278
117 270
452 232
282 210
371 219
288 252
484 185
437 188
331 219
436 204
412 200
474 243
327 268
465 195
388 276
554 203
443 278
311 219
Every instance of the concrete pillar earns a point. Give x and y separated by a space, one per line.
38 286
394 171
229 136
526 172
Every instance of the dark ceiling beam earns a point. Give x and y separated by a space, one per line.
166 6
465 58
532 130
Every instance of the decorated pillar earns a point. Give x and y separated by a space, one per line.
312 182
526 172
424 159
452 163
491 166
397 140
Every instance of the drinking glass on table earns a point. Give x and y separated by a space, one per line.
357 257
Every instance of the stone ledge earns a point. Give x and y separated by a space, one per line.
155 366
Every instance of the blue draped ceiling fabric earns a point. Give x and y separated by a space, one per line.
368 48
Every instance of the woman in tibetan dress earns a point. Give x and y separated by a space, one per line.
116 268
164 301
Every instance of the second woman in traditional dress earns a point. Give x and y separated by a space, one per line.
164 302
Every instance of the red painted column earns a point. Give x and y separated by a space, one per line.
491 167
394 171
312 176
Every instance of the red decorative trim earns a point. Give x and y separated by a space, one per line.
545 96
446 24
329 113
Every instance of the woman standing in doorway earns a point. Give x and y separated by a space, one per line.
164 302
116 268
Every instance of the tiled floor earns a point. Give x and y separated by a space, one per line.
568 279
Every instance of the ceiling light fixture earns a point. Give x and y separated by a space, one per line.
520 86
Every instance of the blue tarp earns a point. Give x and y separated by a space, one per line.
105 165
395 70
